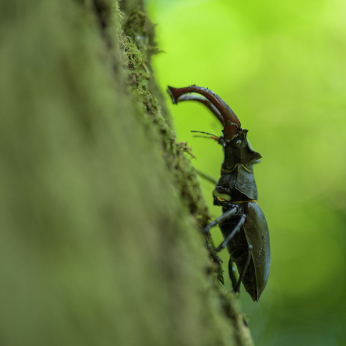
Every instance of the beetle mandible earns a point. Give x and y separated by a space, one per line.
242 223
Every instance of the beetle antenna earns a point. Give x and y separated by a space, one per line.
215 138
211 137
206 133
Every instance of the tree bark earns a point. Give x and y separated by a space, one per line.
100 207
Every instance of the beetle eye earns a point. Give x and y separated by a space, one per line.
238 143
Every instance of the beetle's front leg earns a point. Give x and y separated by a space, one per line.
226 215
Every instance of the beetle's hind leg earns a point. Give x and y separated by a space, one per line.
236 283
242 274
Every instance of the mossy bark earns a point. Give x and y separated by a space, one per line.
100 207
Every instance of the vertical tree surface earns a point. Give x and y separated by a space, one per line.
100 207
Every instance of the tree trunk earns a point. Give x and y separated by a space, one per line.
100 207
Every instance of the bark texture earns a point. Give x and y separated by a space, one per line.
100 207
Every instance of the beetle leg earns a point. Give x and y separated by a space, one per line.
221 218
231 235
206 177
242 274
232 274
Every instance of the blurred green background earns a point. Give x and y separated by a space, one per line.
281 66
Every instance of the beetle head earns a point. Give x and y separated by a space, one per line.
238 151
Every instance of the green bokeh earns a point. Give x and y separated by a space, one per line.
281 66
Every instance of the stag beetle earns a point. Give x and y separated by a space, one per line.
242 223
